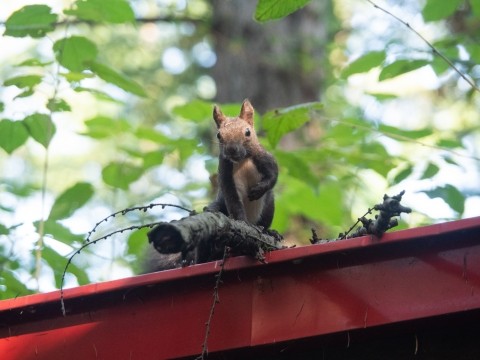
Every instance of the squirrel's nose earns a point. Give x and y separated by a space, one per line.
234 152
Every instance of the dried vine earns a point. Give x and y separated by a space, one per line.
384 221
216 300
143 208
89 242
389 208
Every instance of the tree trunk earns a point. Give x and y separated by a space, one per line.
275 64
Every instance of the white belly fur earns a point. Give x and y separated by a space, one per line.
246 175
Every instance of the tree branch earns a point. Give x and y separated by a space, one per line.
215 230
434 50
383 221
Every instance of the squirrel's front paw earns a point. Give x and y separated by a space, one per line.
255 193
213 207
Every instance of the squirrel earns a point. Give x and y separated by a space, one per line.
247 173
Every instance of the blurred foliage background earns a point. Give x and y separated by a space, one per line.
106 105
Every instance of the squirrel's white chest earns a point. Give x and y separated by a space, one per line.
245 176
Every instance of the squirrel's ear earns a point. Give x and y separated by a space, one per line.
218 116
246 113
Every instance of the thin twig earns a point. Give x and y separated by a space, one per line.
85 245
216 300
435 51
385 220
344 236
401 138
41 226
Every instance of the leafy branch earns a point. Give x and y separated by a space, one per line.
398 136
434 50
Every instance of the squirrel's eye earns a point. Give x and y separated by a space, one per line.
247 132
219 137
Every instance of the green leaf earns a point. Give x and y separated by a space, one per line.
450 143
58 105
137 240
402 175
330 203
111 11
451 195
448 48
57 262
430 171
474 51
100 95
277 9
40 127
439 9
439 65
324 205
111 76
383 96
13 134
449 160
71 200
14 286
100 127
75 52
398 133
185 148
475 4
75 77
59 232
152 158
150 134
31 20
20 189
200 111
345 134
4 230
364 63
277 123
25 81
121 175
24 94
2 106
373 156
196 110
33 62
296 167
400 67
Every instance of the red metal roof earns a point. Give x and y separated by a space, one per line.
301 293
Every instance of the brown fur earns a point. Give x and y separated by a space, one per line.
247 172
